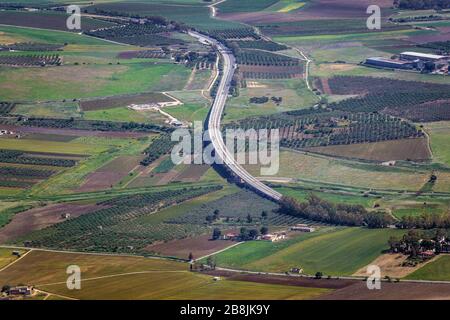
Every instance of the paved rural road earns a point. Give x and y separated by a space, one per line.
229 65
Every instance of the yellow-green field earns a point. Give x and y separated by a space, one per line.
6 256
440 138
115 277
32 145
438 270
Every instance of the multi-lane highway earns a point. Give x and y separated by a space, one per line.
222 153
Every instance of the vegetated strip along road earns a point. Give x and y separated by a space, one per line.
229 65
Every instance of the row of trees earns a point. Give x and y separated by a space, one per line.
341 214
425 221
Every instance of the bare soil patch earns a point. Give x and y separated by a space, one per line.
123 101
325 86
110 174
284 280
199 246
390 265
193 173
39 218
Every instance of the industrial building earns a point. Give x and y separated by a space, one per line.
425 57
389 63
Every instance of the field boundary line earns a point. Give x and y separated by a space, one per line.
93 253
15 261
54 294
33 28
220 251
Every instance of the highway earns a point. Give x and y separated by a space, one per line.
222 153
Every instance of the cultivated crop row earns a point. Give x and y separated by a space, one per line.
6 107
29 173
331 128
261 58
160 146
261 45
37 60
19 157
85 124
31 46
116 227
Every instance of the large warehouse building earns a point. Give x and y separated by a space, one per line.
389 63
411 56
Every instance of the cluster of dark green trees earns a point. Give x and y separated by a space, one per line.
417 241
340 214
80 124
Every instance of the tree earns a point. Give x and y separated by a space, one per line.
243 233
6 288
264 230
319 275
216 214
264 215
216 234
210 262
253 234
191 256
249 218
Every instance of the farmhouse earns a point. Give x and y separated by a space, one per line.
274 237
21 291
389 63
303 228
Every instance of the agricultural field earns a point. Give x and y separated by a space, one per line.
437 270
439 134
333 252
293 92
308 167
6 257
86 136
114 277
412 149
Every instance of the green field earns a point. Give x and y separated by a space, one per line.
197 16
314 168
31 145
294 93
82 81
115 277
440 139
302 195
340 252
438 270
